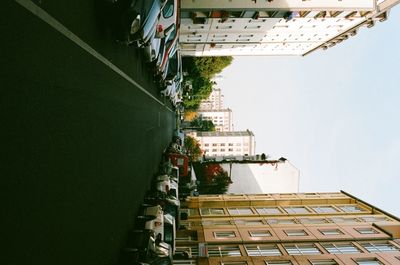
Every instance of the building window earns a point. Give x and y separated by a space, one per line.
369 261
313 220
214 144
339 220
249 222
324 209
278 262
216 222
212 211
297 232
374 219
222 144
296 210
285 221
224 234
366 231
341 248
351 209
379 247
206 144
323 262
260 233
262 250
302 249
331 232
224 251
222 150
234 263
239 211
268 210
230 144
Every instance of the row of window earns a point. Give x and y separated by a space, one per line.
359 261
266 250
296 232
224 144
222 251
321 209
223 150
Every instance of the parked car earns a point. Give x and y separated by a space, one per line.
168 18
168 49
139 19
170 231
144 247
152 218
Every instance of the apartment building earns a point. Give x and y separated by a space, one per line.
274 27
221 118
215 101
234 143
286 228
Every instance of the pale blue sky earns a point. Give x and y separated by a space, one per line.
333 114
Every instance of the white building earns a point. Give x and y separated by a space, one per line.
278 176
273 27
222 118
214 102
237 143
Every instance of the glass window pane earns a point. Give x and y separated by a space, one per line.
296 210
351 208
224 234
262 250
323 262
296 233
324 209
330 232
211 211
240 211
379 247
302 249
268 210
261 233
279 262
341 248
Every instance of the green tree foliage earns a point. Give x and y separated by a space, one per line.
192 147
203 125
200 72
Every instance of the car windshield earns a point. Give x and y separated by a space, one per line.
168 9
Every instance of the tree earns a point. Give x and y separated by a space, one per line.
203 125
200 71
192 147
213 179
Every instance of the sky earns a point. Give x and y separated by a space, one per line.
334 114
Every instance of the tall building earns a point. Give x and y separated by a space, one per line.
235 143
221 118
214 102
290 229
273 27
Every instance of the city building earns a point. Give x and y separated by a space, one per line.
273 27
221 118
234 143
214 102
286 228
257 176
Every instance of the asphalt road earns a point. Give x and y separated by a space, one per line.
82 131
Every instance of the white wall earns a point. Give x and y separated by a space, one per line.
280 177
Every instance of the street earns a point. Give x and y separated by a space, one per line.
83 129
